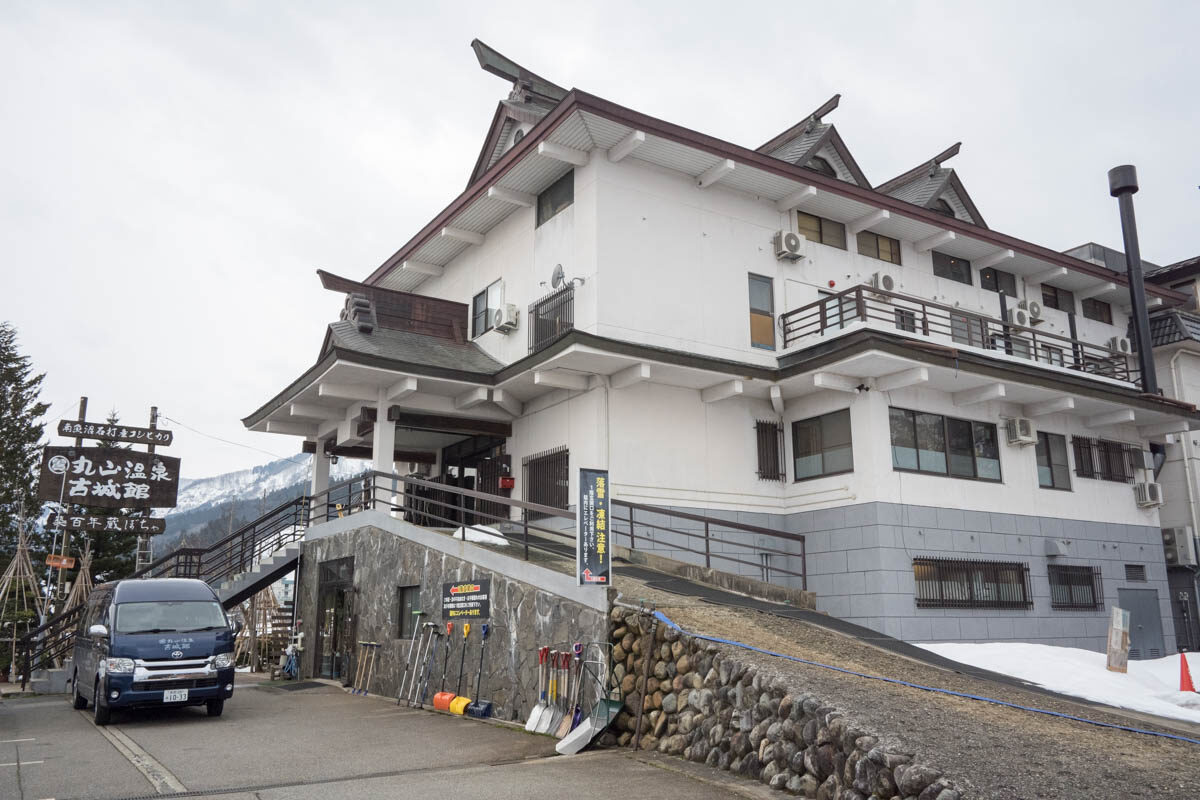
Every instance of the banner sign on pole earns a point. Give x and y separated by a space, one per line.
593 555
110 524
466 601
101 477
63 562
115 433
1118 640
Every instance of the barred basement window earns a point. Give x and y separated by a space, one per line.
770 450
1135 572
956 583
1105 460
1075 587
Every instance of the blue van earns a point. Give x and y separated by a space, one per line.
156 642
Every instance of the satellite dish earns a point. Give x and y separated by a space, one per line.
557 278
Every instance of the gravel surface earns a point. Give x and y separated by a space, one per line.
990 750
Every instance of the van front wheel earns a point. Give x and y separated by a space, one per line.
215 707
100 713
78 701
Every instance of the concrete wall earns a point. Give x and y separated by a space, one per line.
530 606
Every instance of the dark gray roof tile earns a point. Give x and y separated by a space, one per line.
413 348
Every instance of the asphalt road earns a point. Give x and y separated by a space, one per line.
315 743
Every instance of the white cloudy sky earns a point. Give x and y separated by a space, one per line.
172 174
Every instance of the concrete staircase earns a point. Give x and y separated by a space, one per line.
270 569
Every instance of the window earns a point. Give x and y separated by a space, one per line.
955 583
770 450
875 245
481 307
1052 355
762 312
819 229
1075 587
1104 460
1135 572
1097 310
906 320
818 164
997 280
557 197
965 329
408 600
942 207
951 268
944 445
1053 470
1053 297
822 446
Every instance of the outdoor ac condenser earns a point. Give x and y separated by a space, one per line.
1179 547
1020 431
1148 494
789 246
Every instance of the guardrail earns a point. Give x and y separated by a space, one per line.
951 326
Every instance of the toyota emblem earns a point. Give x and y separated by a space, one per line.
176 654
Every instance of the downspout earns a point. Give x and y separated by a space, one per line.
1187 443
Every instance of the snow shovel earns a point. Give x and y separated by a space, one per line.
480 709
537 711
602 715
408 660
459 704
558 687
543 724
572 694
441 700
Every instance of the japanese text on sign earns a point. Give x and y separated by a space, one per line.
466 601
108 477
115 433
109 524
593 553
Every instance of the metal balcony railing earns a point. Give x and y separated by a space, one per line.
551 317
949 326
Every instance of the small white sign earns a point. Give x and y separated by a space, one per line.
175 695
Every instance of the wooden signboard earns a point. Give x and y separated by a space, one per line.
99 477
87 523
1118 640
65 562
115 433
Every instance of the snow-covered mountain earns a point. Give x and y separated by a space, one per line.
251 484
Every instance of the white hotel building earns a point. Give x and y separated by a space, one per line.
949 415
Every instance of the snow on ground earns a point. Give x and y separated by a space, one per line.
1150 686
482 534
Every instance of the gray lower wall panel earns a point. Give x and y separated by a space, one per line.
860 565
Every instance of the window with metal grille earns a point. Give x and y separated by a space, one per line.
1135 572
408 600
769 436
1105 460
1075 587
546 478
957 583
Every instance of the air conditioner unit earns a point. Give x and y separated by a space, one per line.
789 245
1018 316
884 281
1119 344
1020 431
1033 307
1179 547
1148 494
505 319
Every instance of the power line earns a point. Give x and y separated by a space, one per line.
228 441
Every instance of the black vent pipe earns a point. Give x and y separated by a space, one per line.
1122 184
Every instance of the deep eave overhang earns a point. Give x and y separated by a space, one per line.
790 365
582 101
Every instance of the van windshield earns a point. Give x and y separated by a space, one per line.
180 616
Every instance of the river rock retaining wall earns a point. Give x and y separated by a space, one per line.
700 702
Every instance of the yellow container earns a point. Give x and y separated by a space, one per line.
459 704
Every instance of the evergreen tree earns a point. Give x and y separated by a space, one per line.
21 429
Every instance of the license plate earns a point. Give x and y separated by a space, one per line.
174 695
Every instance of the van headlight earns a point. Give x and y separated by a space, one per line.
118 664
223 660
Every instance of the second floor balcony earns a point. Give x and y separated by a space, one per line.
914 317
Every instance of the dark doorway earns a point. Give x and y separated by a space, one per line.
336 620
1184 611
547 479
1145 622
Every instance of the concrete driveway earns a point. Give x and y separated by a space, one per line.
314 743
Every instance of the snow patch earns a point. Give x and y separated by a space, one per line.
481 534
1151 686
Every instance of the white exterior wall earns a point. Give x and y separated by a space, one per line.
1178 373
